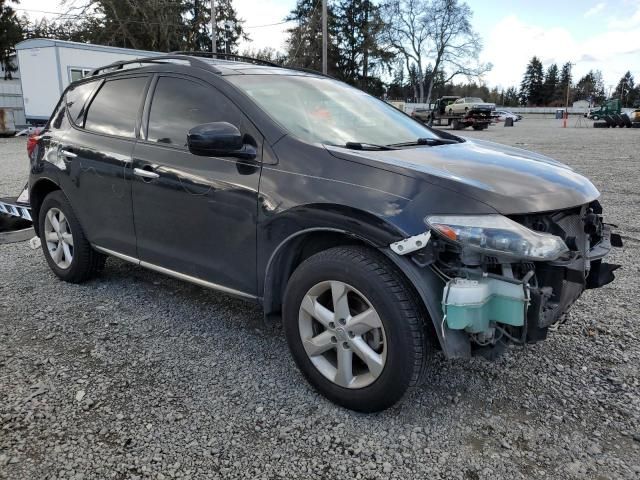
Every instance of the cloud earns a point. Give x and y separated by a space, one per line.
597 8
625 22
608 50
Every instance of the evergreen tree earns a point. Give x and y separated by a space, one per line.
10 34
551 82
511 98
532 86
626 91
160 25
565 83
304 45
590 87
359 27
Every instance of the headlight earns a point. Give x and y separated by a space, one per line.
498 235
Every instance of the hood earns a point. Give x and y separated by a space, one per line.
508 179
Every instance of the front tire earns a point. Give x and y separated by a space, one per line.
64 244
355 328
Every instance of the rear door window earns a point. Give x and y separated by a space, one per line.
179 105
114 109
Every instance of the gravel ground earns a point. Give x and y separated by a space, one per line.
135 375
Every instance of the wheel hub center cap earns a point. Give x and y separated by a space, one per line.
341 334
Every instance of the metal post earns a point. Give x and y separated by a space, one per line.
365 57
566 111
324 36
213 27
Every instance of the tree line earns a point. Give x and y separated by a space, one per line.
419 44
404 49
553 87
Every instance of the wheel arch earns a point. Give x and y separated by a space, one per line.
426 285
37 193
295 249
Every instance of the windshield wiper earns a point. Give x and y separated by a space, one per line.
367 146
424 141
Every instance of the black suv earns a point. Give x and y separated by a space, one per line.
378 239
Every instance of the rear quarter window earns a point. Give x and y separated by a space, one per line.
76 98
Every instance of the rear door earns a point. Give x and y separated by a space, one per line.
195 215
97 153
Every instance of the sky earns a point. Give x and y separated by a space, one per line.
591 34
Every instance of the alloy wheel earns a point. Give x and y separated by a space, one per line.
59 239
342 334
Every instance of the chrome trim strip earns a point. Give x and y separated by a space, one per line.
178 275
121 256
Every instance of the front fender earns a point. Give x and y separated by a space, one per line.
454 343
284 238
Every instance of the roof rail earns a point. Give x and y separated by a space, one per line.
228 56
195 62
242 58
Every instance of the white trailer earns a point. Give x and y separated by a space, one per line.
47 67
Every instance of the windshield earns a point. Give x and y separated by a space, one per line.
474 100
321 110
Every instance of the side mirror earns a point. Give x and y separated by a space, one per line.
219 139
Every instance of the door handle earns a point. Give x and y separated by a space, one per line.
68 154
140 172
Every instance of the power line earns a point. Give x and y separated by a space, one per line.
69 16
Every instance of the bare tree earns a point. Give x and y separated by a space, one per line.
455 45
406 32
438 32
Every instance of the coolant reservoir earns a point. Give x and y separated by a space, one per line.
472 304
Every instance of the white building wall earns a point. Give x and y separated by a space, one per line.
89 59
40 85
45 69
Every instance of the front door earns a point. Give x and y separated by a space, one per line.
195 215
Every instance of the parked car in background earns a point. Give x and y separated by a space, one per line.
421 114
377 239
502 115
466 104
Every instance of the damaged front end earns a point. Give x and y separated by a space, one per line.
508 279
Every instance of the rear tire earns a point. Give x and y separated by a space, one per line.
383 342
64 244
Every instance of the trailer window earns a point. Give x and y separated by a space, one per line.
115 107
78 73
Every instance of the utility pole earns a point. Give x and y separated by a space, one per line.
324 36
365 58
566 112
213 27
